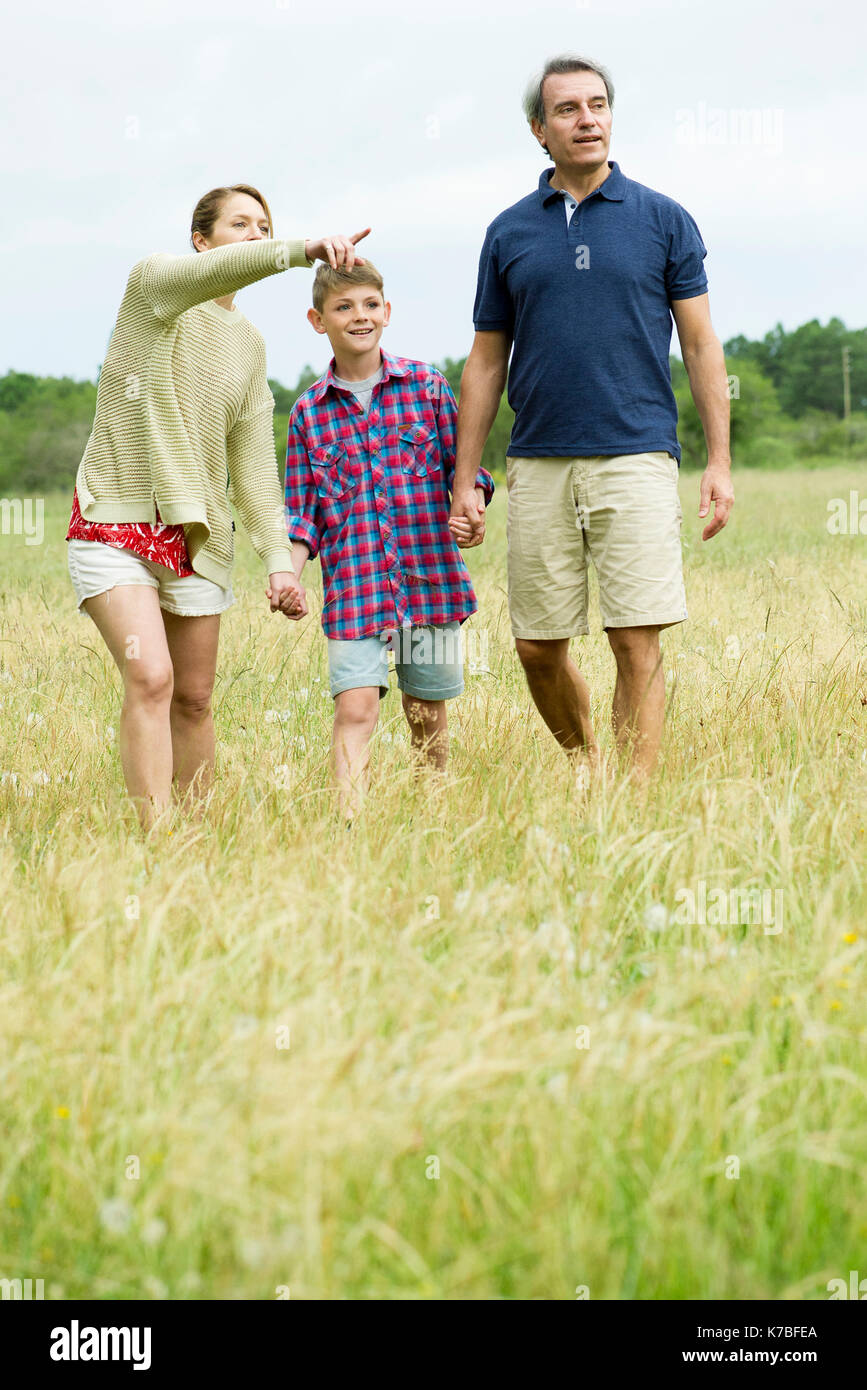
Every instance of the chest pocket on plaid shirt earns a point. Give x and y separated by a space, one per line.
332 472
419 452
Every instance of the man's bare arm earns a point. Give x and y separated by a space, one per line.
705 366
482 385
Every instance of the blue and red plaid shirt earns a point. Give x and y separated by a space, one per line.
369 493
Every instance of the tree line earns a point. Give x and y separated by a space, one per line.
786 394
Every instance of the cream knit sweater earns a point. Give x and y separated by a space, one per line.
184 415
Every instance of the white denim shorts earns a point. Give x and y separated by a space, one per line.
95 567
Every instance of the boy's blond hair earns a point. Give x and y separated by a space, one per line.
328 281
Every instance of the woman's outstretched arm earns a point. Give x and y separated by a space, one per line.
173 284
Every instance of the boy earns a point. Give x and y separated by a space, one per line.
369 464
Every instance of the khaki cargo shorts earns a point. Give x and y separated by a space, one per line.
620 511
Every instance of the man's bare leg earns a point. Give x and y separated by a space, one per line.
560 693
639 695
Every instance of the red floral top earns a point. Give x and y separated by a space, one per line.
166 545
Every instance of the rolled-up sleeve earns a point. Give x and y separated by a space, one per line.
486 483
447 418
302 513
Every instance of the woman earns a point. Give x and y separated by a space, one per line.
183 424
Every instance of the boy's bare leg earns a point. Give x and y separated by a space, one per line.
428 723
355 716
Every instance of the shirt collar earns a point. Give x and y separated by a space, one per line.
391 366
614 187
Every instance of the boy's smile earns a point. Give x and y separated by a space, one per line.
353 319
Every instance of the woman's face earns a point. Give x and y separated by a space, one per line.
241 219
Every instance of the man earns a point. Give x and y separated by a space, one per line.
579 281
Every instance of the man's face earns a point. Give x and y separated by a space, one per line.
577 128
353 319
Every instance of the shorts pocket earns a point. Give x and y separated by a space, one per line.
419 452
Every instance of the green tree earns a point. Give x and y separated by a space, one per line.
16 389
286 396
806 365
44 425
755 418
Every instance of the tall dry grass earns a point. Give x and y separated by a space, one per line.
512 1070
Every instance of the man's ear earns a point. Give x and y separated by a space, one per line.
386 317
539 131
314 318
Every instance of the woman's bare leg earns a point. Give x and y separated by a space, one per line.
193 644
131 624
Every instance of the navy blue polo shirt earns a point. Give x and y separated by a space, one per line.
588 306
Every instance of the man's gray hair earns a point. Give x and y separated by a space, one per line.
534 106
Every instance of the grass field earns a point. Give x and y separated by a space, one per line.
471 1050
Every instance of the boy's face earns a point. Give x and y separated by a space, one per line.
353 319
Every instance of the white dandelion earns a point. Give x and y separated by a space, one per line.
115 1216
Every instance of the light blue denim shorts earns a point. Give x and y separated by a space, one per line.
428 661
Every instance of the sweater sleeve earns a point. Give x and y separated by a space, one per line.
254 487
173 284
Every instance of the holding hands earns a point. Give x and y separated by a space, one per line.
286 593
467 520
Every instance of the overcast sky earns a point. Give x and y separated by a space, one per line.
407 116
